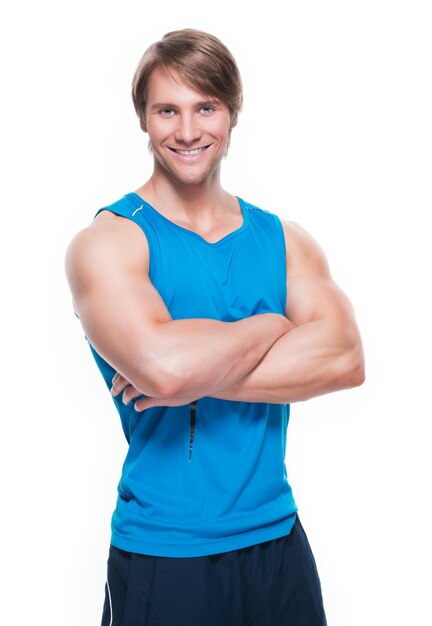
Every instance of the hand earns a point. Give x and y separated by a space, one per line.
120 383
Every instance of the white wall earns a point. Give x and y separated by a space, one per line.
335 134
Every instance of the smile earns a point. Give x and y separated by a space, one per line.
190 152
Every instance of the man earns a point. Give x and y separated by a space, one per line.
207 316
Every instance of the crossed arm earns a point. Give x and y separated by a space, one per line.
314 349
315 358
319 352
323 351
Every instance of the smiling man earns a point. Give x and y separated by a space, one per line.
207 316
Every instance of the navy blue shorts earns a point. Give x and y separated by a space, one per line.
274 583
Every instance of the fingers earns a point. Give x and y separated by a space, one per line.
146 403
118 384
130 393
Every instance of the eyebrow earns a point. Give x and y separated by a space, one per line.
169 105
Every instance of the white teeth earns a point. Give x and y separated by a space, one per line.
187 152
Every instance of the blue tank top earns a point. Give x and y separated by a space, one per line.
209 476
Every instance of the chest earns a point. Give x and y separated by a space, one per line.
243 277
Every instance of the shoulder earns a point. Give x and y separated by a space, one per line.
109 242
302 249
303 252
257 209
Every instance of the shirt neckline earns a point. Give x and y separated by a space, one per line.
233 233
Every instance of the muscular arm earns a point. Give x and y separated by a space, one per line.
204 355
127 322
323 351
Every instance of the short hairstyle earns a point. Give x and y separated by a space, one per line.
202 60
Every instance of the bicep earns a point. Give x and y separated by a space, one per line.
118 306
312 294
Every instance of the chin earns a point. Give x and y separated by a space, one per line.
193 178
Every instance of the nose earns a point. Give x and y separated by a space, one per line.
187 130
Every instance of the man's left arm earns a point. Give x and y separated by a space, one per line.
323 351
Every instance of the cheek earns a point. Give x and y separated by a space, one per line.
218 128
157 131
153 134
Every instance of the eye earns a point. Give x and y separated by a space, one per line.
208 109
168 111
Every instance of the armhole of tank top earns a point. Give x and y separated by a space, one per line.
284 256
139 222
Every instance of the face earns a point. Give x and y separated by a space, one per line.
188 131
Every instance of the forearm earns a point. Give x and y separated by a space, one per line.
311 360
203 356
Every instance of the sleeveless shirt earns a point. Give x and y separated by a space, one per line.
209 476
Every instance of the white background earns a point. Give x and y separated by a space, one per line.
335 134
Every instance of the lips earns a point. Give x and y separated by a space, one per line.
192 152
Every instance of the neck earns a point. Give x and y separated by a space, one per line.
186 201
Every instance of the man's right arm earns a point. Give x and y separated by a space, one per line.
127 322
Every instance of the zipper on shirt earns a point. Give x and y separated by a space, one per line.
192 427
